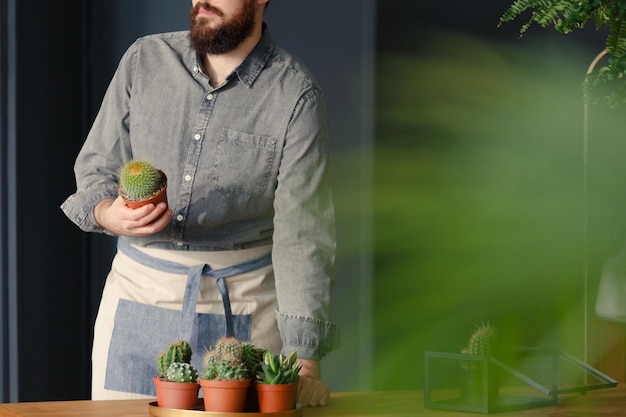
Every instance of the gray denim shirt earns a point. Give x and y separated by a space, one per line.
247 165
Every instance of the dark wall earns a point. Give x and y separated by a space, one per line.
49 124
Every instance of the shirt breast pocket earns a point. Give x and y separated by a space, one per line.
243 163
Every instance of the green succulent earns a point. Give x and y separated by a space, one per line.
179 351
278 369
181 372
139 180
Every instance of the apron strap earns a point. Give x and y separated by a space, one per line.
194 275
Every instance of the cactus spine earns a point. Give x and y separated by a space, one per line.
139 180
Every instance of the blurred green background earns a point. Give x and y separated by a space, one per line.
479 199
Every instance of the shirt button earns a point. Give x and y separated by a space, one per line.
209 96
180 217
179 243
187 177
197 136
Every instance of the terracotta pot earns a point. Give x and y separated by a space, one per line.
224 396
275 398
178 395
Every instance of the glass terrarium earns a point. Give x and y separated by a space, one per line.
485 384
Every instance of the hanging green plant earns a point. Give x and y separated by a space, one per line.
607 84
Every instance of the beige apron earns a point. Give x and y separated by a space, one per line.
146 306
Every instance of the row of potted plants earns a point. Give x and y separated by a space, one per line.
236 377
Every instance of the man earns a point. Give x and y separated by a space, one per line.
246 245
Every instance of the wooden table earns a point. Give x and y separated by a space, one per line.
601 403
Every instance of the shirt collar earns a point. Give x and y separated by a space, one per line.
254 63
251 67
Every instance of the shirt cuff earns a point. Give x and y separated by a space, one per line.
79 208
310 338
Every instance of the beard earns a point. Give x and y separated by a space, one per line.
228 35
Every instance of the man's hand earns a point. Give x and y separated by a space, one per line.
121 220
312 392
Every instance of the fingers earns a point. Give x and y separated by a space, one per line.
312 392
141 221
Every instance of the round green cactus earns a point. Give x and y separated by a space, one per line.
182 372
226 361
139 180
228 346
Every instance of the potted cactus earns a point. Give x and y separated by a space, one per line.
481 343
277 382
176 385
141 183
225 378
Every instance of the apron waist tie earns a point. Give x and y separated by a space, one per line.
194 275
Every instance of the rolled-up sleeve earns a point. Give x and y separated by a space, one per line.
304 233
104 150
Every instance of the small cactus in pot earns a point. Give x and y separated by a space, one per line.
481 343
278 369
277 382
176 384
141 183
225 362
179 351
225 378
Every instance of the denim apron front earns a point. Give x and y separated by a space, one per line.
141 331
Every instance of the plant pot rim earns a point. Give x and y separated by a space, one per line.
213 382
163 177
157 197
176 384
261 385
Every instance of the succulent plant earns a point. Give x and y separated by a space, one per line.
278 369
177 352
139 180
225 362
181 372
481 342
